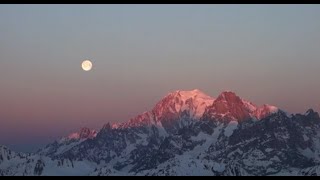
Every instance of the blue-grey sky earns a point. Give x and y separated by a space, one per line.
265 53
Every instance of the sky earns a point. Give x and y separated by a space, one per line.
265 53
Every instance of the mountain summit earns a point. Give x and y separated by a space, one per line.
193 102
230 107
68 142
176 105
84 133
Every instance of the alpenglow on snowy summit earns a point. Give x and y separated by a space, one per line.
186 133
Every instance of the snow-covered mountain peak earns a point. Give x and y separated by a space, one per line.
107 126
172 107
3 148
312 114
272 109
309 111
228 106
84 133
194 101
3 151
191 94
6 154
265 111
68 142
227 95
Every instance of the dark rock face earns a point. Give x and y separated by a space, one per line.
86 133
268 146
38 169
230 103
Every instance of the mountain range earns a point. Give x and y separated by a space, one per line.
186 133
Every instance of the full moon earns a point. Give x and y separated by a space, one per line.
86 65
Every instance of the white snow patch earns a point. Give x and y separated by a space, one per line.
228 131
305 138
275 158
218 167
268 150
199 100
307 153
161 130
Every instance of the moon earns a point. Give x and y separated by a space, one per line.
86 65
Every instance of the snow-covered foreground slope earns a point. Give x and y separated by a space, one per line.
186 133
34 165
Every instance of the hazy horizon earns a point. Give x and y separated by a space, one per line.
267 54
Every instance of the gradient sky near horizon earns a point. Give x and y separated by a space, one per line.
264 53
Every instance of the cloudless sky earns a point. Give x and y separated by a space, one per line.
264 53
